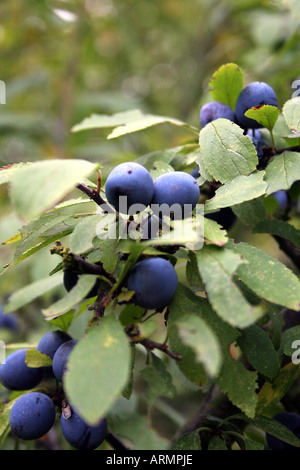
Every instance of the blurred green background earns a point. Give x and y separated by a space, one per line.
64 60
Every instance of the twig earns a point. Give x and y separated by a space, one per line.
150 345
95 196
289 249
114 441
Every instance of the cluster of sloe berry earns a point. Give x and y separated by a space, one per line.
253 95
33 414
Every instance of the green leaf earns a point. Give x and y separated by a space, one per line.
98 369
217 443
267 276
203 170
217 267
53 178
32 291
136 430
7 172
45 228
71 202
36 359
63 321
192 272
271 393
282 171
265 115
273 427
131 314
226 84
127 122
82 237
4 419
165 155
259 351
72 298
109 258
234 380
160 168
190 441
242 188
250 212
198 336
240 385
214 232
251 444
188 364
287 339
291 114
279 228
226 153
159 380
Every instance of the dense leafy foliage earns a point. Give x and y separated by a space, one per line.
205 310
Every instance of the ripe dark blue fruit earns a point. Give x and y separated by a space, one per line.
254 94
257 141
32 416
214 110
281 198
195 173
176 187
16 375
131 180
292 422
50 343
154 281
8 321
81 435
71 279
60 358
224 217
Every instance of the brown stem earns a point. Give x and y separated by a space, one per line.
289 249
95 196
114 441
150 345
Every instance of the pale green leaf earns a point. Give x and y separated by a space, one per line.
72 298
82 237
214 232
98 369
267 276
32 291
217 266
282 171
241 189
291 113
225 152
127 122
198 336
50 181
